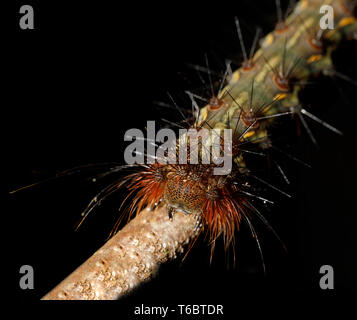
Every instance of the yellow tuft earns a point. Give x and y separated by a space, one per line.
203 114
249 134
268 40
280 96
313 58
304 4
346 21
235 77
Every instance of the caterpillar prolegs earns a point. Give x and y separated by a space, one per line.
252 101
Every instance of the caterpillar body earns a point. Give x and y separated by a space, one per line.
265 88
250 101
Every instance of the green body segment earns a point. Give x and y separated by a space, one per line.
300 47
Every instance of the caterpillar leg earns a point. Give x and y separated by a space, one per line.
170 211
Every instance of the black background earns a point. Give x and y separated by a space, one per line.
89 72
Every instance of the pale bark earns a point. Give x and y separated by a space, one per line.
130 258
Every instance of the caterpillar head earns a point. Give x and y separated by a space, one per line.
192 189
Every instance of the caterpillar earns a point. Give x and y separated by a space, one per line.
264 89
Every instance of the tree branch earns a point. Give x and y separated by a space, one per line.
130 258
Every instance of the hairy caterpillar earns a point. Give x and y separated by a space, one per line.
279 87
264 88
